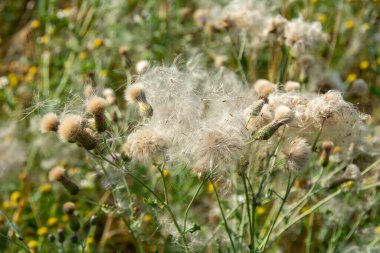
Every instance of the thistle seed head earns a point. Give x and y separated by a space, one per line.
49 123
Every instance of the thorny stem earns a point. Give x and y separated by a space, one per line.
206 176
224 218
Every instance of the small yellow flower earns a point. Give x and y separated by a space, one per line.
2 219
103 73
97 42
52 221
15 197
364 65
378 61
35 24
349 24
314 1
365 26
33 70
260 210
73 171
148 218
304 209
322 18
351 77
377 230
166 173
211 187
13 79
65 218
89 241
83 56
45 188
6 205
348 185
42 231
44 39
33 244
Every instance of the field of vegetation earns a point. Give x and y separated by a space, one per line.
190 126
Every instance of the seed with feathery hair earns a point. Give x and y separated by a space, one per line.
96 106
146 145
297 155
49 123
263 87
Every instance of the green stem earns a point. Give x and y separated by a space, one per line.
138 245
224 218
206 176
251 232
288 188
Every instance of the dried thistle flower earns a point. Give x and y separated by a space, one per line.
142 66
263 88
297 155
283 115
96 106
291 86
109 95
217 147
49 123
325 155
136 94
58 174
69 209
359 88
71 130
146 145
301 35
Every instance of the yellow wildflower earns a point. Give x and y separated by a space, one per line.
44 39
13 79
33 244
211 187
42 231
45 188
166 173
65 218
52 221
377 230
351 77
103 73
260 210
322 18
349 24
15 197
35 24
364 64
148 218
6 205
83 55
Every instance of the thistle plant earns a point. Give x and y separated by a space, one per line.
201 126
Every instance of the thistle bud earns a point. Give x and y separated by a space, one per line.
72 130
257 106
325 155
49 123
51 238
74 239
58 174
291 86
69 209
61 235
96 106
